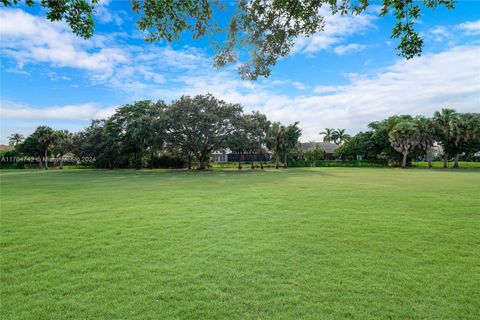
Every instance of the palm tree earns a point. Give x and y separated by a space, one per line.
426 131
276 140
292 134
328 134
15 139
339 136
403 138
63 143
45 136
442 121
462 130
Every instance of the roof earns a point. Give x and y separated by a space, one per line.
5 147
328 147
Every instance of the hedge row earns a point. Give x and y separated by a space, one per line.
338 163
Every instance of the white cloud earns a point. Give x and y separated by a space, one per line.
417 86
328 89
352 47
299 85
27 38
104 16
337 29
132 69
454 33
87 111
471 28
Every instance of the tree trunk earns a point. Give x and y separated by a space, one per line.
151 160
455 161
61 162
404 160
445 160
285 161
276 161
46 159
201 163
40 163
429 158
189 160
261 164
240 161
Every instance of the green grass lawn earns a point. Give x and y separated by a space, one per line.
320 243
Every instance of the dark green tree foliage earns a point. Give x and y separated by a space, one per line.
283 141
276 141
45 137
239 139
328 134
339 136
31 147
248 135
15 139
92 143
62 145
192 128
472 142
363 145
258 128
292 134
136 130
314 154
404 137
457 133
426 136
442 120
266 29
77 13
201 124
381 130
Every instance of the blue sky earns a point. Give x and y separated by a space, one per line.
344 77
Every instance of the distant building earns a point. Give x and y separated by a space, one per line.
229 156
327 147
436 150
4 147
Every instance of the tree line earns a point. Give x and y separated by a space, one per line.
187 131
145 133
403 138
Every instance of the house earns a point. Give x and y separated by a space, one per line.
5 147
327 147
229 156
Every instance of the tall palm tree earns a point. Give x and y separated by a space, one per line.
45 136
292 134
403 138
339 136
15 139
461 132
443 121
327 134
63 144
276 140
426 132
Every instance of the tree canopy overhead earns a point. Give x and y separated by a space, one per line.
265 29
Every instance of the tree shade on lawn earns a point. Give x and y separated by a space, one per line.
329 243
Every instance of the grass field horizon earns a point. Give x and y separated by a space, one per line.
306 243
